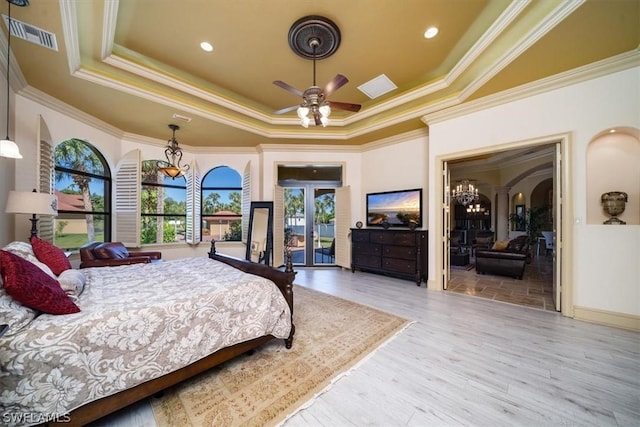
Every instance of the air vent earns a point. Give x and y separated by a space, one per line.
32 34
377 87
181 117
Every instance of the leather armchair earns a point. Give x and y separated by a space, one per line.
510 261
110 254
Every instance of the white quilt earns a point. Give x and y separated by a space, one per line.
137 322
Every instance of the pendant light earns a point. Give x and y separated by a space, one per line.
8 148
172 167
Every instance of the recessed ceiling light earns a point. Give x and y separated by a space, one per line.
430 33
206 46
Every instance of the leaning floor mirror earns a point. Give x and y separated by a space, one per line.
260 233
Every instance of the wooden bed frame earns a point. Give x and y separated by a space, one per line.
99 408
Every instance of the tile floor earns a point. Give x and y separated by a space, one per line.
534 290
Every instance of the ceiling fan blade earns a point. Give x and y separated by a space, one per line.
336 83
286 110
345 106
285 86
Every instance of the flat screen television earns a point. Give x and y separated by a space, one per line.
397 208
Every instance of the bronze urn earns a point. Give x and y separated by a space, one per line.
613 204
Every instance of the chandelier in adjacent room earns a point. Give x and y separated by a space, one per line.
465 193
173 153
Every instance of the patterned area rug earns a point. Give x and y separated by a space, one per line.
332 335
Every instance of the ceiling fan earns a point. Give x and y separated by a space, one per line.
316 37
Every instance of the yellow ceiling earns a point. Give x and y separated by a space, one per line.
135 63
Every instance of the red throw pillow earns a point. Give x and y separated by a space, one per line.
51 255
32 287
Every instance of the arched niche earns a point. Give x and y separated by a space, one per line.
612 163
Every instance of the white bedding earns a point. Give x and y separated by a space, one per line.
137 322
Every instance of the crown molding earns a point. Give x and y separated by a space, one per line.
154 142
55 104
307 148
591 71
397 139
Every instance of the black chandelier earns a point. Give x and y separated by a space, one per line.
173 153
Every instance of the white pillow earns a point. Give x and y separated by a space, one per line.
25 251
21 249
72 282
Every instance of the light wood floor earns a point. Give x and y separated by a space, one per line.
469 361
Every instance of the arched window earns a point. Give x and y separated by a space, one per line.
83 188
222 205
163 206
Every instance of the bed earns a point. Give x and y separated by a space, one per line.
140 329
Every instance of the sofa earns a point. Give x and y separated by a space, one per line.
111 254
510 261
482 240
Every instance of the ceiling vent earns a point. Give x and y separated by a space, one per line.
32 34
181 117
377 86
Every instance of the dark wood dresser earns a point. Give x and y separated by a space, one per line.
398 253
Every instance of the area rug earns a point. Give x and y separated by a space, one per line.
264 388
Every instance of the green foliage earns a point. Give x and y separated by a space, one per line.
235 231
534 221
60 225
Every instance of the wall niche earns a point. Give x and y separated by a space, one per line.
613 157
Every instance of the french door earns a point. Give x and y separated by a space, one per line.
309 222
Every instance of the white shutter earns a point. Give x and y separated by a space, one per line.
343 226
127 200
194 203
278 226
246 201
45 178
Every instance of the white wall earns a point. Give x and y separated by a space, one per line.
400 164
583 110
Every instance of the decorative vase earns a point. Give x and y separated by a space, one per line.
613 204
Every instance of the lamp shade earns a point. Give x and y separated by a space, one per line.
28 202
9 149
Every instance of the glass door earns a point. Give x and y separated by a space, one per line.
324 215
295 229
310 212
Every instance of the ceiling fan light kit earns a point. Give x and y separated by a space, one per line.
315 37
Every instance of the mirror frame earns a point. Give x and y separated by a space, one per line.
266 259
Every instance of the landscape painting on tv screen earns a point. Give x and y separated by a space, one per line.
397 208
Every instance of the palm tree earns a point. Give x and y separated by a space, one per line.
75 154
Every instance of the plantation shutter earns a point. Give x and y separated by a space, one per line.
127 200
194 203
278 226
45 178
246 201
342 226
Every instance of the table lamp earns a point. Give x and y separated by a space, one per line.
34 203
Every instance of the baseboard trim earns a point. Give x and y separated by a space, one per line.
608 318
